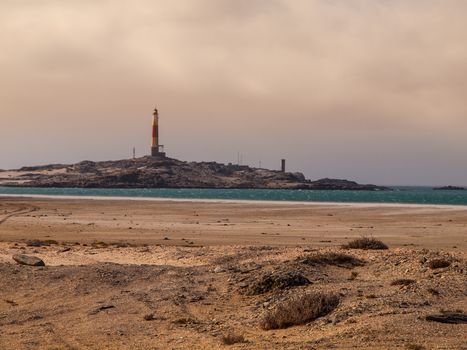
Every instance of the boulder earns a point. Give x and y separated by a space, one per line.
28 260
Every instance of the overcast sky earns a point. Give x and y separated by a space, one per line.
369 90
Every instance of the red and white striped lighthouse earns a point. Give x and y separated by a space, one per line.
157 150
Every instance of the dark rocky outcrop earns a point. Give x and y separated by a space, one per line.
336 184
161 172
449 188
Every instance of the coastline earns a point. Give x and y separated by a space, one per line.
240 201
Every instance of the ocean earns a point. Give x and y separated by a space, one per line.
400 195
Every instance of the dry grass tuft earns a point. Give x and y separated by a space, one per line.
402 282
276 281
439 263
232 338
365 243
331 258
300 309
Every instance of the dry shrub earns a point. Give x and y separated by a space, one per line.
353 276
365 243
300 309
330 258
232 338
276 281
402 282
439 263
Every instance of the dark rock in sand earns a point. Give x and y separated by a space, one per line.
452 318
101 308
28 260
64 250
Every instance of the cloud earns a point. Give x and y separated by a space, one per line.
355 65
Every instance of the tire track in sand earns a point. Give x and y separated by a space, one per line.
20 211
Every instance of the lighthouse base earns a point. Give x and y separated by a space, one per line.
156 153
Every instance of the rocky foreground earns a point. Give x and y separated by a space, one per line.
246 296
154 172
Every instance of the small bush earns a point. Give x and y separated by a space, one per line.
232 338
439 263
299 309
336 259
365 243
276 281
402 282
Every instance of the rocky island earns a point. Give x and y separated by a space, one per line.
449 188
163 172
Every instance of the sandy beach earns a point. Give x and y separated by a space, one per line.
142 274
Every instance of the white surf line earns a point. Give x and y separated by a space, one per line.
242 201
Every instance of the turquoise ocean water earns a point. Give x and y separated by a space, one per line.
408 195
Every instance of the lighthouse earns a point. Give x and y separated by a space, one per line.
157 150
